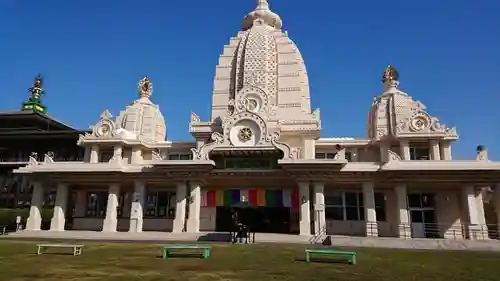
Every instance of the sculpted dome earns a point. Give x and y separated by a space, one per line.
262 70
142 118
394 114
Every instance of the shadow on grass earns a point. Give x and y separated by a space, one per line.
56 254
170 256
323 260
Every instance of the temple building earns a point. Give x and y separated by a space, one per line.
262 147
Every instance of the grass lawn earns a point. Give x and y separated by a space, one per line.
127 262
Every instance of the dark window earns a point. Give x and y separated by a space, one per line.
106 155
380 206
419 153
345 206
179 156
160 204
96 203
421 200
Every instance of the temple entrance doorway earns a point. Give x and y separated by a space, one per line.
258 219
421 207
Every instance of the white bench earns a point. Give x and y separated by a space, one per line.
77 249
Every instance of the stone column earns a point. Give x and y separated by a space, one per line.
59 216
445 150
477 221
305 213
34 221
136 155
117 154
136 209
384 152
319 208
193 223
404 149
180 208
434 148
94 154
496 205
370 212
404 228
86 155
309 149
111 220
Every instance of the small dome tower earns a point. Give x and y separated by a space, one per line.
142 117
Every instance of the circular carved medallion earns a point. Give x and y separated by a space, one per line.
104 129
245 134
251 104
419 123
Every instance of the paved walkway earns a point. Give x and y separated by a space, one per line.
162 237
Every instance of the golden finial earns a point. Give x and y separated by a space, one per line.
145 87
37 89
390 74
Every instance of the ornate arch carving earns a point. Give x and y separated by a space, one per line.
266 139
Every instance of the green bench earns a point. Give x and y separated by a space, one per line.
191 250
350 256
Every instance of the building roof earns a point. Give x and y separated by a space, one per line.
35 118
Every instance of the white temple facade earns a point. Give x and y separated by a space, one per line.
262 146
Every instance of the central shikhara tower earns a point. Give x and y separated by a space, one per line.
261 93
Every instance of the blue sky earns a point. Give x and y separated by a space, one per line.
92 54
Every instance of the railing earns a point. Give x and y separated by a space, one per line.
414 230
242 235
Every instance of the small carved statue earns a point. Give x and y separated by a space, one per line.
390 74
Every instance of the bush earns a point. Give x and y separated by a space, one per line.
8 217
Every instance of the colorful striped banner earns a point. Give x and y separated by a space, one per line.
252 197
219 197
261 197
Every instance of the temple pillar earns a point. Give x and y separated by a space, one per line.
496 205
475 209
193 222
370 212
180 208
404 149
34 221
434 149
137 207
404 228
94 154
111 221
305 212
319 208
59 217
445 150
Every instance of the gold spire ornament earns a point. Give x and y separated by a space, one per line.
37 89
390 74
145 87
35 101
